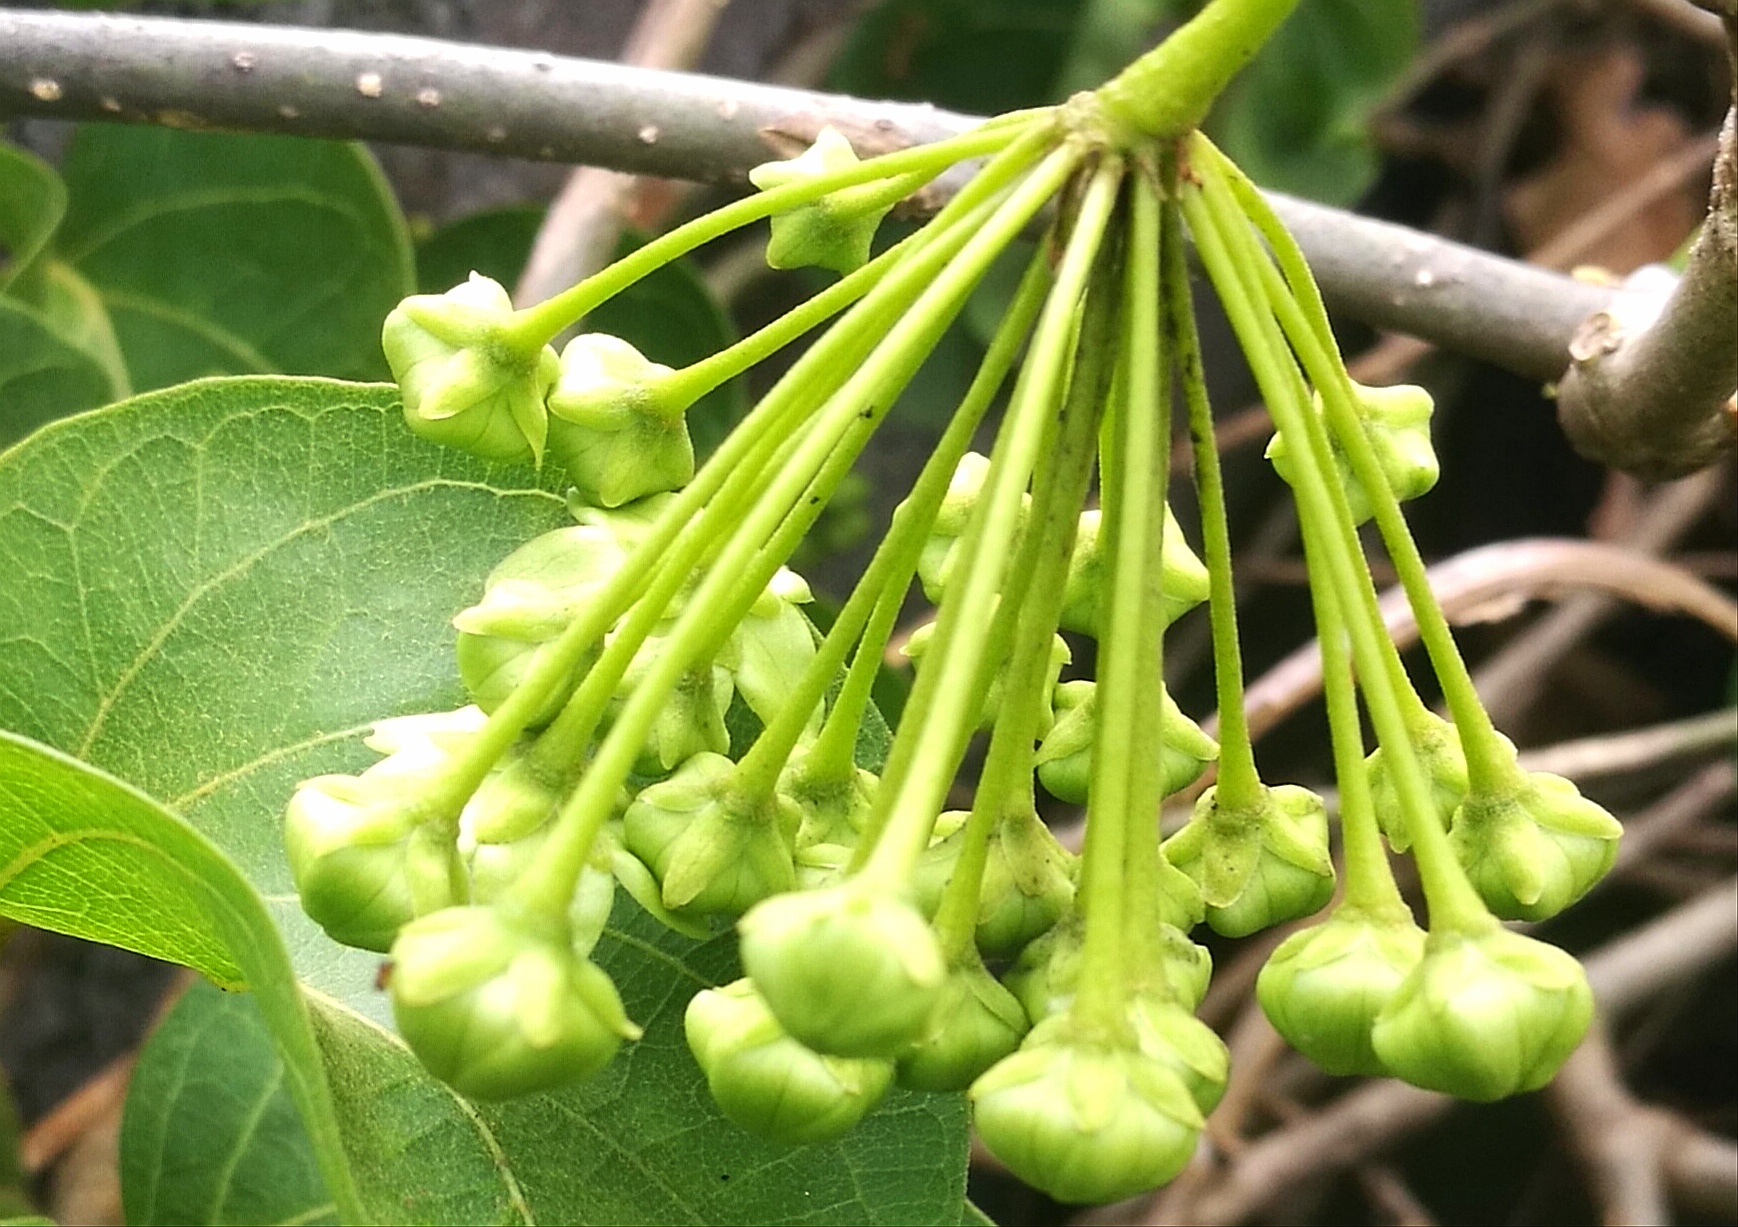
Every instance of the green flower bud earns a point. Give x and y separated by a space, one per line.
821 865
496 1004
918 643
714 852
1064 758
1535 847
936 561
528 600
1085 1121
1182 579
496 869
1436 744
767 1083
771 648
1028 885
1325 985
833 809
364 862
611 427
691 720
1042 979
848 971
1484 1016
463 384
938 862
976 1024
1260 866
835 231
1168 1032
1396 420
512 802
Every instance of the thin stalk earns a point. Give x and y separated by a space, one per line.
1370 884
1034 587
538 325
839 430
892 567
921 764
1299 307
1126 788
1453 903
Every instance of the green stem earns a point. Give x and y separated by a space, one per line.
1239 784
943 702
688 385
1370 884
538 325
1228 252
1126 787
882 588
1303 316
823 456
1168 90
1034 589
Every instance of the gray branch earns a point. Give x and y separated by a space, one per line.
1650 389
334 83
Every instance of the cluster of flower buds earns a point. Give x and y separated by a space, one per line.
653 709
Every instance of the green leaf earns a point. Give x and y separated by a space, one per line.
1297 118
32 200
220 254
210 1134
670 316
224 585
42 376
74 309
83 853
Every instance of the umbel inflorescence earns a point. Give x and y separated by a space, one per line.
885 940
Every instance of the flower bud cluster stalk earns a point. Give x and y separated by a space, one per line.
885 942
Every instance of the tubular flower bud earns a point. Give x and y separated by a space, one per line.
833 810
1436 743
767 1083
363 862
1044 976
497 1004
936 562
976 1024
833 232
1325 985
1065 756
848 971
462 384
1169 1033
691 720
528 600
1534 848
1085 1121
610 427
1484 1016
1028 885
771 648
1259 866
712 855
1182 577
1396 421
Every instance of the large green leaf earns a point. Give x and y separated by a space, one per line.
210 1133
1297 118
222 586
32 200
83 853
221 254
42 375
670 315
